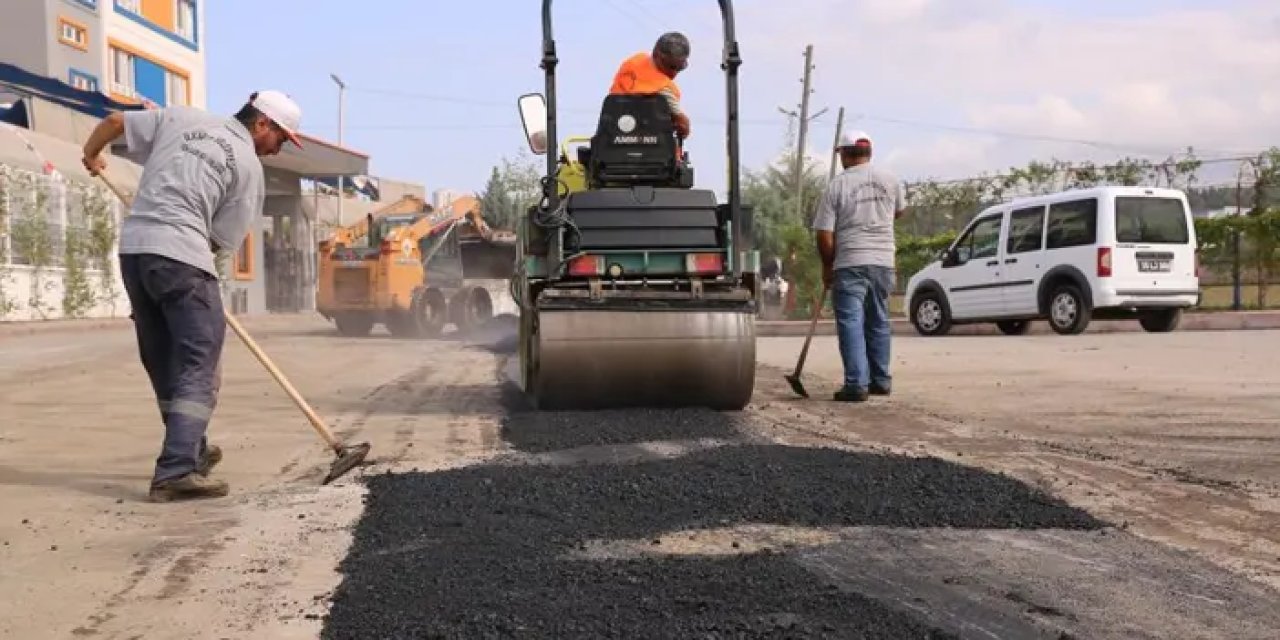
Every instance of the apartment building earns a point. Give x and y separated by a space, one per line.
131 50
443 198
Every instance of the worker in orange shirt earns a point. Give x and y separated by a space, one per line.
655 72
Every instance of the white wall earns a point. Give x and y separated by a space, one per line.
16 280
44 301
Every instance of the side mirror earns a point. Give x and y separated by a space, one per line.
950 257
533 115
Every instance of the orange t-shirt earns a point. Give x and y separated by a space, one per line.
639 75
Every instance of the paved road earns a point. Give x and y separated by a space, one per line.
684 522
1177 434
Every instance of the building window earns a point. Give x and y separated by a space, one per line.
177 92
82 80
243 266
136 77
89 4
122 82
73 34
184 23
173 19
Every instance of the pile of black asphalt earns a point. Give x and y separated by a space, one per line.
497 550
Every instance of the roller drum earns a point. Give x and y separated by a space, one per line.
595 359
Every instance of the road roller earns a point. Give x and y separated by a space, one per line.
635 288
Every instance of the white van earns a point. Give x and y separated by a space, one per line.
1104 252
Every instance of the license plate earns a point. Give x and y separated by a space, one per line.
1153 266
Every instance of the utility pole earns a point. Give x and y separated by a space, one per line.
342 88
804 127
835 157
1237 302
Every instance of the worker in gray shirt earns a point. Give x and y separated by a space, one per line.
200 192
854 229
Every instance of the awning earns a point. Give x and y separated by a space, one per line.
319 159
23 82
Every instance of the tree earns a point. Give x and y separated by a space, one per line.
512 188
496 204
777 231
1262 226
1127 172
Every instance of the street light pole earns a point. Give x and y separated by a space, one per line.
342 88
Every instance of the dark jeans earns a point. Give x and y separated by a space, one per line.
860 298
177 314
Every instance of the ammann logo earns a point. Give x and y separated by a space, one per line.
635 140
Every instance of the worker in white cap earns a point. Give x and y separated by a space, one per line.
854 229
200 192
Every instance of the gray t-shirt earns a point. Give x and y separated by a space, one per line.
859 206
201 185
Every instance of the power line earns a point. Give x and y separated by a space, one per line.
1022 136
646 14
1079 166
411 95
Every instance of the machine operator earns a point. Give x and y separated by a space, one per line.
655 72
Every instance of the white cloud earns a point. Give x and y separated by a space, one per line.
1137 82
886 12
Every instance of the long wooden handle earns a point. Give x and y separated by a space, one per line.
270 366
312 417
126 200
813 324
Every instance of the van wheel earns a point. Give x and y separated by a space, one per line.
1161 321
1014 327
930 314
1068 314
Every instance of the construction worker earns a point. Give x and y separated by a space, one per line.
654 72
855 238
200 192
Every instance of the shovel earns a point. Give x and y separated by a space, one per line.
347 456
794 377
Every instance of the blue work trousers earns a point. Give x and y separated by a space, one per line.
860 298
178 318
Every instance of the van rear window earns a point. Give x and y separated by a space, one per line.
1151 220
1073 223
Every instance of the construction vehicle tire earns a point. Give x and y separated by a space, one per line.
477 307
468 307
402 324
429 312
354 325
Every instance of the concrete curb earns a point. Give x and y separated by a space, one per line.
15 329
32 327
1203 321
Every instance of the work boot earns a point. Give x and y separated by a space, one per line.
192 486
209 459
850 394
877 390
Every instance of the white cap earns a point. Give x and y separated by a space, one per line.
854 139
282 110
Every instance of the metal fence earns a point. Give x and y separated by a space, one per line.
39 212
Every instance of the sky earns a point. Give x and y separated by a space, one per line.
945 88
